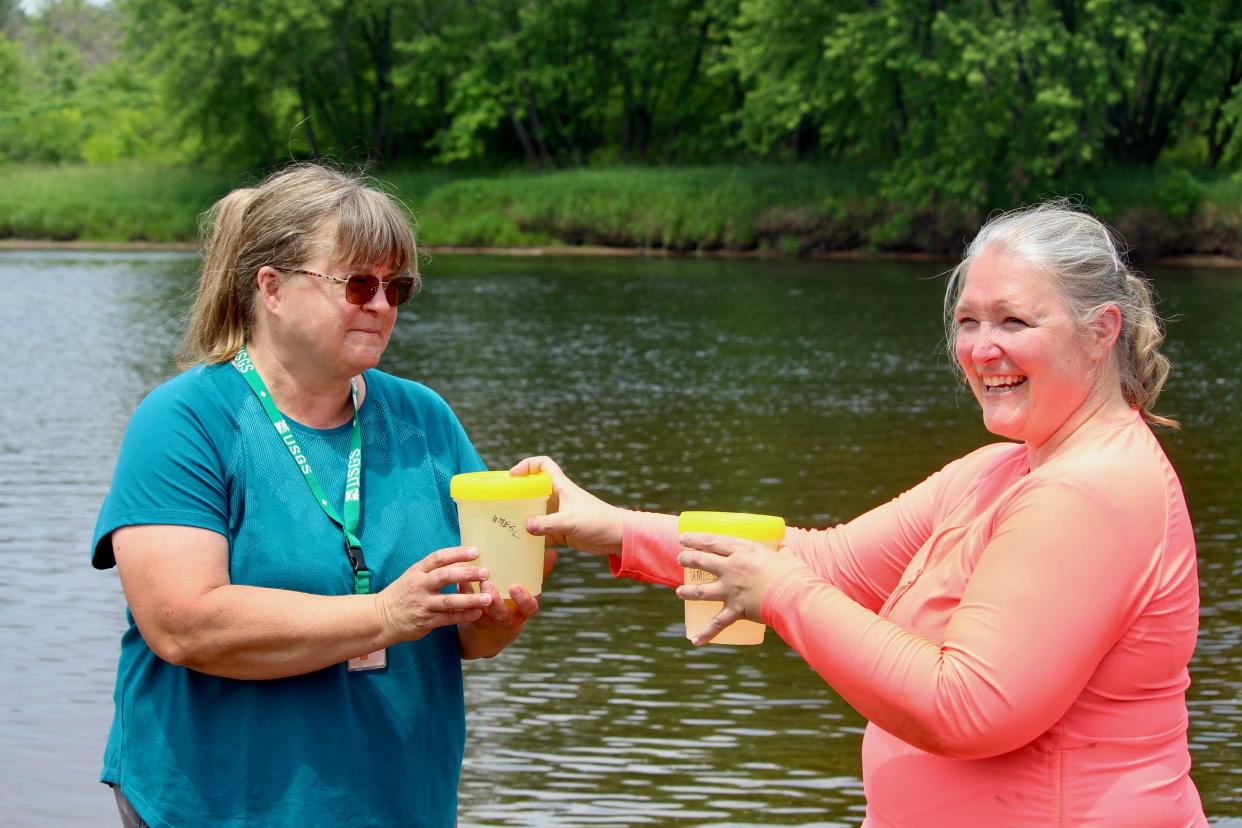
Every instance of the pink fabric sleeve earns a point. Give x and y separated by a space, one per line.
1048 598
866 557
863 558
649 549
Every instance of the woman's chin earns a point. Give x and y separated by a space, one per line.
363 358
1003 428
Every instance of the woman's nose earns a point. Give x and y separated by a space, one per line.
378 301
984 348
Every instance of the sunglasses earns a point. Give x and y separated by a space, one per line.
361 288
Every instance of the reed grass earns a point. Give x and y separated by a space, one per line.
128 203
785 209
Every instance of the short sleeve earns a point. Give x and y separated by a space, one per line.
169 471
448 437
468 459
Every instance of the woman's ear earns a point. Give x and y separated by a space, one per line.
269 281
1105 329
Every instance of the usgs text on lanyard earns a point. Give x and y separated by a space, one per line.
351 509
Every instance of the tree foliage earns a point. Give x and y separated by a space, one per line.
972 103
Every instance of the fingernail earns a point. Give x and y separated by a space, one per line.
471 552
487 599
484 574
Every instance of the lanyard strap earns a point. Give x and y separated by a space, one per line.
353 470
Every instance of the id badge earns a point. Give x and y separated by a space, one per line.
371 661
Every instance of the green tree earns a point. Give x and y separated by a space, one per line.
1218 110
70 96
11 18
10 67
976 104
955 107
777 48
676 84
265 79
217 68
1152 56
533 78
571 80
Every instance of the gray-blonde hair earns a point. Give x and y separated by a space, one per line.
1085 260
281 222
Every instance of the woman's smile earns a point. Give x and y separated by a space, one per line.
1001 384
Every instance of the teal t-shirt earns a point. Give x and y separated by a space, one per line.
327 748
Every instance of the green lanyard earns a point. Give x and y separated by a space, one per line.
353 471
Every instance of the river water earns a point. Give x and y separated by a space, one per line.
809 390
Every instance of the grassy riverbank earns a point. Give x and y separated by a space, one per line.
785 210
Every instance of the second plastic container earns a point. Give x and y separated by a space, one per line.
492 508
768 530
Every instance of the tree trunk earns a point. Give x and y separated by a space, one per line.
306 116
1069 14
643 119
316 100
687 84
378 37
1220 131
627 116
903 117
532 111
523 138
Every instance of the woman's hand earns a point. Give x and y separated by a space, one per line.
413 605
744 571
575 517
504 618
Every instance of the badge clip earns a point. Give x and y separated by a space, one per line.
371 661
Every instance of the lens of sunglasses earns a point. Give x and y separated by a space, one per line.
399 290
361 288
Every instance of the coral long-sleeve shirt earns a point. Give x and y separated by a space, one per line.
1017 638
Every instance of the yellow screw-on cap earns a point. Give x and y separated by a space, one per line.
499 485
734 524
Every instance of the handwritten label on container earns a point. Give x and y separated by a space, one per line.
507 525
699 576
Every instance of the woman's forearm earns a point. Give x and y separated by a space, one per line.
190 614
246 632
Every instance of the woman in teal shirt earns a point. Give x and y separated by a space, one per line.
299 604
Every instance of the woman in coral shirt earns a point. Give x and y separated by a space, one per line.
1017 627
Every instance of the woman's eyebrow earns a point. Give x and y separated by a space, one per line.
1001 305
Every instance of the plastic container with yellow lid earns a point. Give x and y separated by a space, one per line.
768 530
492 508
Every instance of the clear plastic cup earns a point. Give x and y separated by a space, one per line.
492 508
768 530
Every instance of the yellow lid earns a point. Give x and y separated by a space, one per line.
734 524
499 485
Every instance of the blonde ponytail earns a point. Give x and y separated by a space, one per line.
218 318
1143 368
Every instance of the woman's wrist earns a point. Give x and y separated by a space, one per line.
616 534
